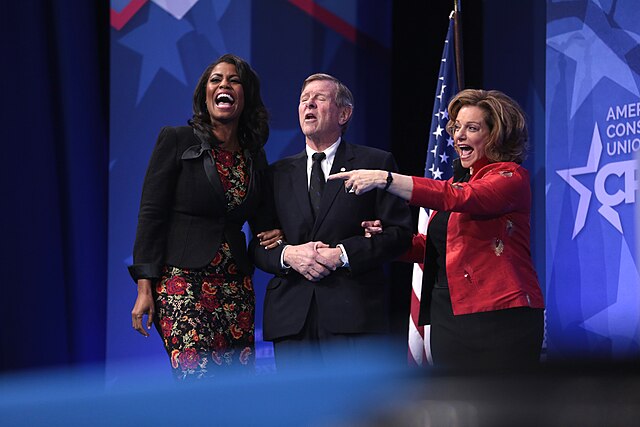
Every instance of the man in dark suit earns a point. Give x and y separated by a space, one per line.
329 288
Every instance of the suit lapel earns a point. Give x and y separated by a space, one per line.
204 150
342 162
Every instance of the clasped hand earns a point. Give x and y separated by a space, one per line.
313 260
271 239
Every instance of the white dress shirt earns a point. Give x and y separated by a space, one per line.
325 164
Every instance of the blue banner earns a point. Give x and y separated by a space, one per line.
592 138
159 48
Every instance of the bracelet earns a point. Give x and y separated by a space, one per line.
389 181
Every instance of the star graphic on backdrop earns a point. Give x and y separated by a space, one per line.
437 174
214 31
594 60
156 41
620 319
585 194
176 8
438 131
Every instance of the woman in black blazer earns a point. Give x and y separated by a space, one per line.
190 260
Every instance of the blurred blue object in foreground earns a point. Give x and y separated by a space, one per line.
308 396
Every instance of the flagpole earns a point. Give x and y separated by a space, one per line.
457 42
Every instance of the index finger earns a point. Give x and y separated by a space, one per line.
323 261
319 269
137 324
340 175
150 319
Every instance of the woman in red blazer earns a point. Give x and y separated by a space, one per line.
480 292
190 258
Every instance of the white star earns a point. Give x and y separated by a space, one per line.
437 174
438 132
594 60
177 8
449 142
585 194
443 158
158 49
435 150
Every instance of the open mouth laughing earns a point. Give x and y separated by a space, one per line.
224 100
464 151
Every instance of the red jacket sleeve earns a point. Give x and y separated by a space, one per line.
496 189
415 254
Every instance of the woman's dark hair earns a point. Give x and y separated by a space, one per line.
253 126
508 136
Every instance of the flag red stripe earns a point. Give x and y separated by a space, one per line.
415 311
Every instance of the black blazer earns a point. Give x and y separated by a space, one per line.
183 214
352 300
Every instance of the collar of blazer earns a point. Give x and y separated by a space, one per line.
194 152
197 150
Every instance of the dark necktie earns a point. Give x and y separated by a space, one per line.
316 183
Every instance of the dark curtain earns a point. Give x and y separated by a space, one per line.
54 183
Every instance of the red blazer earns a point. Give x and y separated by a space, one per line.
488 258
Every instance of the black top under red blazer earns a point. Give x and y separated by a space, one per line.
183 211
353 300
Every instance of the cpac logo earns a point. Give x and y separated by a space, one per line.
627 169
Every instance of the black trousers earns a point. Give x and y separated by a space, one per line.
317 347
495 340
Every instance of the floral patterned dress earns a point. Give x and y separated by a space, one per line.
206 317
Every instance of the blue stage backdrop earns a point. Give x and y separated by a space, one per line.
593 133
158 51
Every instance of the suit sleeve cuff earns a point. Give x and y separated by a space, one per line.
145 271
283 265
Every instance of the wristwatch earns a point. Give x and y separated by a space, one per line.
389 181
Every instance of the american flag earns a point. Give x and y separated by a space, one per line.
440 156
